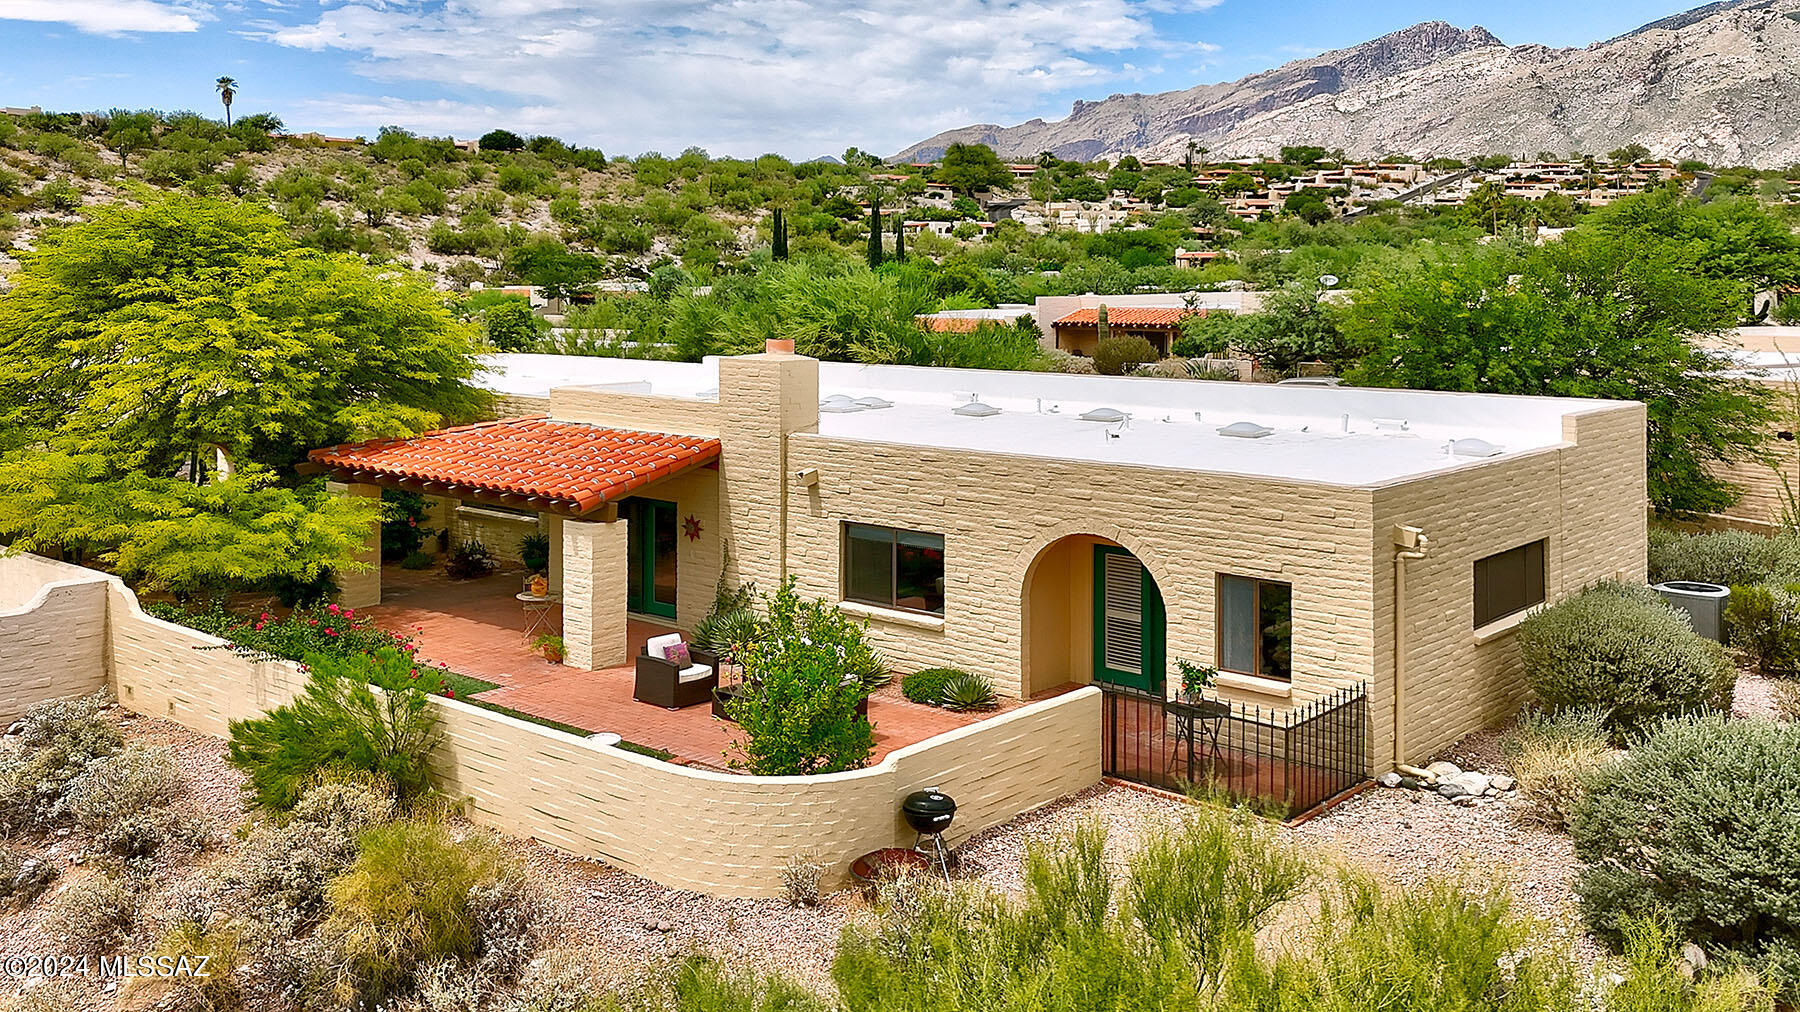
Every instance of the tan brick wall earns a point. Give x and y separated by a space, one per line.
1586 500
685 828
52 632
362 588
998 513
499 532
682 416
594 593
1761 481
518 405
764 398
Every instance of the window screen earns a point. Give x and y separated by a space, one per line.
1509 582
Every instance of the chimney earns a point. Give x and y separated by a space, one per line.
775 347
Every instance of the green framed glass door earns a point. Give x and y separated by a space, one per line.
650 556
1129 622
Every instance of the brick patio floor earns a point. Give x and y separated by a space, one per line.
477 628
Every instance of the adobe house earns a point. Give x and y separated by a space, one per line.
1047 529
1078 333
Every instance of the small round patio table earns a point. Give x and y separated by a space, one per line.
538 619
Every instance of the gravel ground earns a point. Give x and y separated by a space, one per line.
1755 696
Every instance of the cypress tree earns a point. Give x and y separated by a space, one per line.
1101 329
900 238
778 244
874 231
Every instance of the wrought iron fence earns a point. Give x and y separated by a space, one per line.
1290 759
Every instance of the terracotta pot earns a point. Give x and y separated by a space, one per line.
538 586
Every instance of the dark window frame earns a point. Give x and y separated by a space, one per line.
1256 633
1526 564
893 566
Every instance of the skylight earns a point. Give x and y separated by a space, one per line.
1103 415
840 404
975 409
1475 448
1245 430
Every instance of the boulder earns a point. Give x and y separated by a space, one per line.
1388 780
1470 783
1504 784
1443 770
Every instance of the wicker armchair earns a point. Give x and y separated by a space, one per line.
663 683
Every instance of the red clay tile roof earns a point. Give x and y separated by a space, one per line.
951 324
1128 316
571 466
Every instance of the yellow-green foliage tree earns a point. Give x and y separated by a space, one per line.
144 345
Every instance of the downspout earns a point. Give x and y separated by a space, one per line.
1409 543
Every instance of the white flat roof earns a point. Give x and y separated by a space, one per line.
1332 435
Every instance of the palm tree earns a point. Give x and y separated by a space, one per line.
227 91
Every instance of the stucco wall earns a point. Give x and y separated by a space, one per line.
686 828
1586 500
52 632
999 512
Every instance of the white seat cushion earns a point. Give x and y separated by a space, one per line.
655 645
694 672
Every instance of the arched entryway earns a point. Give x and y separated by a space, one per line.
1091 613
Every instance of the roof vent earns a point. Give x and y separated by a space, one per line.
839 404
975 409
1103 415
874 402
1245 430
1475 448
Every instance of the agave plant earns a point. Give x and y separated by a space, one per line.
727 632
965 691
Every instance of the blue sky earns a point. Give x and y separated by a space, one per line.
801 77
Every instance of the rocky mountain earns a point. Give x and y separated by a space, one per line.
1719 83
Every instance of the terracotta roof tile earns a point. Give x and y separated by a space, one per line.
568 464
1129 316
952 324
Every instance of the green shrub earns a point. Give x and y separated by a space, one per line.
331 629
927 686
1764 624
278 877
1553 755
534 552
1655 978
1700 822
469 560
967 691
1728 558
803 682
339 723
403 515
1618 648
417 561
1117 356
60 737
405 902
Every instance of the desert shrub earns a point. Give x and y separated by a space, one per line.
1787 701
91 915
405 903
1653 977
534 552
803 682
416 561
1074 939
966 691
509 915
23 878
927 686
727 632
1698 822
469 560
1117 356
1729 558
1553 755
58 740
280 873
1764 624
122 801
1620 649
338 722
1062 361
219 947
800 876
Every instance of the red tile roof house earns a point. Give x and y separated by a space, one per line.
1045 529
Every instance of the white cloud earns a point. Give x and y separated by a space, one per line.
736 76
109 17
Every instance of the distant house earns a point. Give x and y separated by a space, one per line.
1079 332
963 321
1196 257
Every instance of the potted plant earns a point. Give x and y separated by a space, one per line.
1195 680
551 646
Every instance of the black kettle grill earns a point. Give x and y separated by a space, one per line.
929 813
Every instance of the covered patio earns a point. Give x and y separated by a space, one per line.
476 628
573 476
